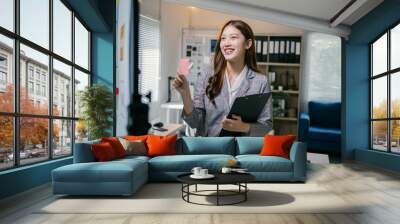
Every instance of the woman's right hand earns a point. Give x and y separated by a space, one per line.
181 84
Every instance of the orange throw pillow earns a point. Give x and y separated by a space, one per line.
134 138
103 152
161 145
277 145
116 145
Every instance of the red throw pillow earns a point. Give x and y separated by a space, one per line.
161 145
116 145
103 151
277 145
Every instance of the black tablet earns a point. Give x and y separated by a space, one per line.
248 108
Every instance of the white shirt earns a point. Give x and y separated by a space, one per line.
236 84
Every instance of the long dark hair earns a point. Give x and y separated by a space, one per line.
216 81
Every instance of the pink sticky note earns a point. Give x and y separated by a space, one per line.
184 66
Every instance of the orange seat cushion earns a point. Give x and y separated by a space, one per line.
116 145
161 145
103 151
277 145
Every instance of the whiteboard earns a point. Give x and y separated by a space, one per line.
198 45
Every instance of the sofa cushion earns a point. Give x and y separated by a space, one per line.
257 163
249 145
185 163
112 171
207 145
324 134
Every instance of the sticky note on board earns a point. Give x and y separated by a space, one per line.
184 66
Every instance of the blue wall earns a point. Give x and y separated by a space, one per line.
102 58
356 93
103 61
24 178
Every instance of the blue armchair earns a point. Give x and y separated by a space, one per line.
320 127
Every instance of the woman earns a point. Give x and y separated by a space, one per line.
235 74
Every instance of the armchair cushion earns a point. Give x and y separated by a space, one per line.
324 114
324 134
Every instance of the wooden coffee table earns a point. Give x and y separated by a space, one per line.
238 179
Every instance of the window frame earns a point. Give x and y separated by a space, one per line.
388 74
16 115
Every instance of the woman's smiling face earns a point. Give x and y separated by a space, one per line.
233 44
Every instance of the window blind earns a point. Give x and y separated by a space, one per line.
149 56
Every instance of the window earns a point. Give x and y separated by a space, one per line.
7 14
385 94
43 90
3 72
6 90
34 21
149 56
81 81
3 78
30 72
81 45
62 29
30 87
53 125
37 74
3 61
323 68
38 89
62 74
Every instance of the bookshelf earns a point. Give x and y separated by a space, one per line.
284 76
285 96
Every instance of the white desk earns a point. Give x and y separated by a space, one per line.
178 106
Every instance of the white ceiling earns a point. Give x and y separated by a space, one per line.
318 9
309 15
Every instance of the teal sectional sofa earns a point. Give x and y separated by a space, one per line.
125 176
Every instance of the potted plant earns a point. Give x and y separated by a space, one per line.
96 102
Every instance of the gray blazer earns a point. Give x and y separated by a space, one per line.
207 119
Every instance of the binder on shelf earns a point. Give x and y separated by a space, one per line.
264 49
259 45
287 50
275 56
271 48
297 51
281 56
292 58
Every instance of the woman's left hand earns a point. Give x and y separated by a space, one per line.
235 124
